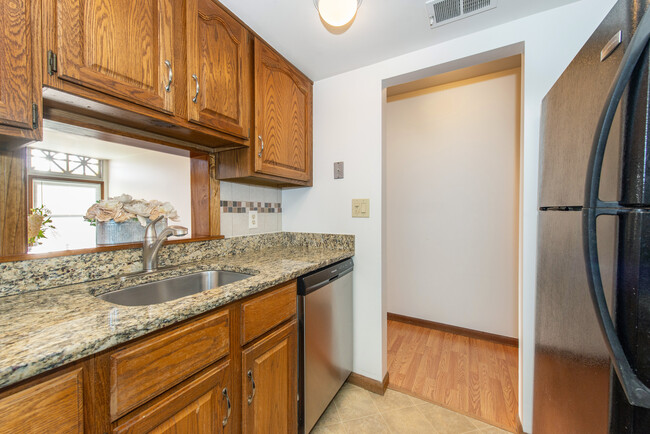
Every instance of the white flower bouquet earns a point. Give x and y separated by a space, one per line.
122 220
124 208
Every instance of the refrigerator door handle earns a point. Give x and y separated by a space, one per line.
636 391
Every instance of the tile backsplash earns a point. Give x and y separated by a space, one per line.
238 199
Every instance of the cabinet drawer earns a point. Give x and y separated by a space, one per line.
55 405
198 405
147 368
263 313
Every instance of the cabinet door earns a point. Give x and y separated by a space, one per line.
270 383
283 121
218 71
120 47
53 405
202 405
16 68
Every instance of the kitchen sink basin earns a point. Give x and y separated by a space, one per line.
172 288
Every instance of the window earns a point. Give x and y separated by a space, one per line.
68 165
66 184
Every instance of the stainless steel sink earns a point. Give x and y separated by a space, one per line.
172 288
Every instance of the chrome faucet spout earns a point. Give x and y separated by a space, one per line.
152 243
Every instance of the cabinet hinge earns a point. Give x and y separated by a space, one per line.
34 116
51 62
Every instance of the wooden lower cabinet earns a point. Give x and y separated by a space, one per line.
53 404
269 383
190 378
263 313
201 405
145 369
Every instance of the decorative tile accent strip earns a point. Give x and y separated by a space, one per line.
238 207
39 274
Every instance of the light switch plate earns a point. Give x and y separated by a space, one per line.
361 208
252 219
338 170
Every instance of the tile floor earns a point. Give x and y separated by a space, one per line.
355 410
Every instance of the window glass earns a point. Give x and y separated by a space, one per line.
54 162
68 202
48 161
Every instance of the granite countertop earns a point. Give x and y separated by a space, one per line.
45 329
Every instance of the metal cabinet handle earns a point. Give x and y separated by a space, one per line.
261 150
250 377
196 80
637 393
224 392
170 75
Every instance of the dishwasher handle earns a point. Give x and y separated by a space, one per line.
315 286
317 279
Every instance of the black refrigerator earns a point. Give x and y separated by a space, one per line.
592 336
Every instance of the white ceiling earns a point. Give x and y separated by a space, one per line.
382 29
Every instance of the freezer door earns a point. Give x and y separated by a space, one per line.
572 381
570 114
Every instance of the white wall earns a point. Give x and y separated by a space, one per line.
149 175
452 201
348 127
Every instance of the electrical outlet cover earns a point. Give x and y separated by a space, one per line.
338 170
252 219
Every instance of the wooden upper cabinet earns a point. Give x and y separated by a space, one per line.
123 48
218 69
283 117
16 66
51 405
270 383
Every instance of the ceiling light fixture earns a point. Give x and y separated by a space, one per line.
337 13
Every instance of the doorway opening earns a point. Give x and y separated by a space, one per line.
452 238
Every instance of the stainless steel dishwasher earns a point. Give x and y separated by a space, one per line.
324 339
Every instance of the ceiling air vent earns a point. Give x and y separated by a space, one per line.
447 11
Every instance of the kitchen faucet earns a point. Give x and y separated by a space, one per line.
153 241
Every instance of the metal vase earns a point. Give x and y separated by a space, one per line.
130 231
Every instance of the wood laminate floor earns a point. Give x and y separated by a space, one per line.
471 376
